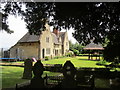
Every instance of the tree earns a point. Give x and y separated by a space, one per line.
112 51
76 48
90 20
35 14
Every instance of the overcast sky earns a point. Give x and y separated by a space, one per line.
19 27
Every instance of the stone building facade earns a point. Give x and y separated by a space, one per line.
48 43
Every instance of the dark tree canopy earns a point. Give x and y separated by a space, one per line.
90 20
34 15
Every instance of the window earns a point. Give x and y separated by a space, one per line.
47 50
47 39
56 52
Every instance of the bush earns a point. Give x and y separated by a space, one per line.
46 58
61 56
56 57
76 52
101 62
68 54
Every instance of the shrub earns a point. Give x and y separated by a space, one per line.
46 58
101 62
56 57
69 53
76 52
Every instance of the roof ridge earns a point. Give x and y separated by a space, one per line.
29 38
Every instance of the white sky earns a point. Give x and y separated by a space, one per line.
19 28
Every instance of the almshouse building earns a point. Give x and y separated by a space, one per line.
48 43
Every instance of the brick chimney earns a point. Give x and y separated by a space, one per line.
56 31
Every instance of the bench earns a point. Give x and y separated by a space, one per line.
23 85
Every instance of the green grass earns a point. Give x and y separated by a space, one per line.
77 61
50 73
102 83
13 75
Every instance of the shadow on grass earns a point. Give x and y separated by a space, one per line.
88 60
102 83
13 65
84 59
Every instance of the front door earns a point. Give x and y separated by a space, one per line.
43 53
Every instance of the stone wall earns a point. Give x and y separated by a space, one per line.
46 44
65 44
25 50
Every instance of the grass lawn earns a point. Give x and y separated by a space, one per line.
13 75
77 61
102 83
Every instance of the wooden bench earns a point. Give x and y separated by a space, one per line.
23 85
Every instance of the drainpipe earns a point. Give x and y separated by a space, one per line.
39 50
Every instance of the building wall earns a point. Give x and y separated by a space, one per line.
45 47
65 46
57 50
25 50
46 43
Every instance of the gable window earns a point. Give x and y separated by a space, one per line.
47 50
47 39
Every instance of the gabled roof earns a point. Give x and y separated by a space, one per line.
62 35
93 46
29 38
35 38
55 38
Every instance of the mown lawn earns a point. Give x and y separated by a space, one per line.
12 75
81 61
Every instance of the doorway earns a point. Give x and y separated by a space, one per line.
43 53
